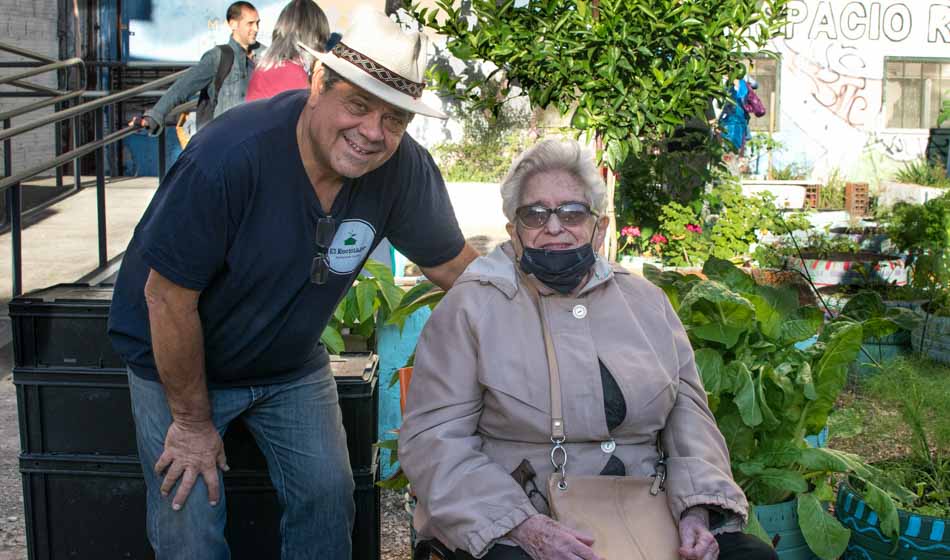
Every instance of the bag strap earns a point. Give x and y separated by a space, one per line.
557 415
224 68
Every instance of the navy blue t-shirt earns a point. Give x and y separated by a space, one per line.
236 219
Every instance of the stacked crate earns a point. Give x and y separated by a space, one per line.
84 494
856 199
813 196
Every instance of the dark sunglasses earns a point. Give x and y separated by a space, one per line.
535 216
320 266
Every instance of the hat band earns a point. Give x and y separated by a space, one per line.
378 71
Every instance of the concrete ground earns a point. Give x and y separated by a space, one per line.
60 245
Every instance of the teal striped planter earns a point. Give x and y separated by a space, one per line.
921 537
782 520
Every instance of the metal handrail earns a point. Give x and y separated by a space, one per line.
59 65
25 53
36 87
8 182
88 106
13 113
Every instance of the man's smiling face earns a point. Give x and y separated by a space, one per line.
351 131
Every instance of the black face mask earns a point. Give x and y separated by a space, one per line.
561 270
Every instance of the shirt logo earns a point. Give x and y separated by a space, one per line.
350 246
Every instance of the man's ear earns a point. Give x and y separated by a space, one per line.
316 83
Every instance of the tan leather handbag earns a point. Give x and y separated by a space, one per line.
628 516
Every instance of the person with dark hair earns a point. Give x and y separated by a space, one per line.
284 65
220 77
252 239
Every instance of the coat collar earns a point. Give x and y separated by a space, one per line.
498 269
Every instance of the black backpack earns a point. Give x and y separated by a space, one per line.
206 104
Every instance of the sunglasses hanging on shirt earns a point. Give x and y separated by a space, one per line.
320 266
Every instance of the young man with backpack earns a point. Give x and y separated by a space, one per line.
221 76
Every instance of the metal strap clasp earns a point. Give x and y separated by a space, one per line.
559 460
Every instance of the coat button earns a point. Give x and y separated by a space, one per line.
579 311
608 446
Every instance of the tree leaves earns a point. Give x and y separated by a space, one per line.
635 63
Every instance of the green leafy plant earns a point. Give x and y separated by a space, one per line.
923 172
831 196
923 231
722 223
371 299
674 169
791 172
920 391
625 69
767 393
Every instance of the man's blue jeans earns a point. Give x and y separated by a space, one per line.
299 428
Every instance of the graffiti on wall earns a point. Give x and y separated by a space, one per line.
839 81
857 20
895 146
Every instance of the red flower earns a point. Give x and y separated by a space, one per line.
630 231
658 239
694 228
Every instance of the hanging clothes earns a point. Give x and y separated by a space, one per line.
734 121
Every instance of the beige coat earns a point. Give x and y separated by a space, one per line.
479 401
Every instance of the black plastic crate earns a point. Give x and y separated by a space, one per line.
74 412
89 412
64 326
357 383
94 507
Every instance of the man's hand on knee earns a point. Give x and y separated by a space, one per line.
191 450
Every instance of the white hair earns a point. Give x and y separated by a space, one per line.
554 155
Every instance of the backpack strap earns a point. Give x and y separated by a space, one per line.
224 68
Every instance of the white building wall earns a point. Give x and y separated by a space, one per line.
29 24
832 112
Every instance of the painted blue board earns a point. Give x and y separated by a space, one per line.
394 348
140 154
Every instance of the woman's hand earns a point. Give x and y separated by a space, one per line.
697 543
545 539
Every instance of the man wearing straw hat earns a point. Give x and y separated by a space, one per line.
251 240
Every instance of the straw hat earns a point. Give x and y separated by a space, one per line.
378 56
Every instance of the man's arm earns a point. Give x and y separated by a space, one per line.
193 446
445 274
194 80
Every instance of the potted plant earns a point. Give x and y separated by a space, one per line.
722 223
916 182
923 230
920 391
639 246
767 394
837 260
372 298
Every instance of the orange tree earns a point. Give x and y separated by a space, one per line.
630 70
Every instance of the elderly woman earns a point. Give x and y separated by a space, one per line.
478 418
285 66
